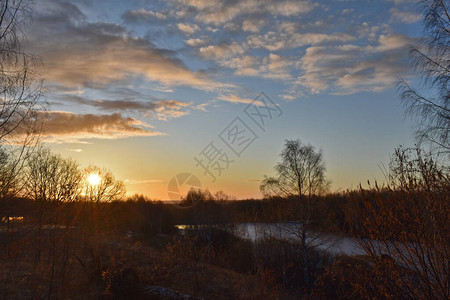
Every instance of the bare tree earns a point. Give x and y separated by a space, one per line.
107 189
51 178
20 92
99 186
301 174
8 182
432 64
222 196
20 85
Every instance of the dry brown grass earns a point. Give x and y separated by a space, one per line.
74 267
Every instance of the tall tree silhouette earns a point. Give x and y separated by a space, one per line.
432 63
300 173
20 90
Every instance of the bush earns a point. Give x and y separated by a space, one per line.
347 278
214 245
289 265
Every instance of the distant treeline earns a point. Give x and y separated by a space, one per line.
340 213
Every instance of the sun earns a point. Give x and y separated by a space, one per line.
94 179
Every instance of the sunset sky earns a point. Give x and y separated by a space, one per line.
149 89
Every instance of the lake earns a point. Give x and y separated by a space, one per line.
330 243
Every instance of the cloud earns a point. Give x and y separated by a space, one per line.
253 180
195 42
77 53
203 106
364 30
347 11
237 99
219 12
288 97
253 25
188 28
404 16
166 112
222 51
274 41
272 66
349 68
142 15
314 47
275 66
391 42
142 181
162 109
246 65
61 126
403 1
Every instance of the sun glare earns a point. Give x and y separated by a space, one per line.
94 179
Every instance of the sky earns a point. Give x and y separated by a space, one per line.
213 88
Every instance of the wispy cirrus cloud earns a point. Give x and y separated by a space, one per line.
236 99
253 180
142 181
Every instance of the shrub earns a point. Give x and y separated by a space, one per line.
291 266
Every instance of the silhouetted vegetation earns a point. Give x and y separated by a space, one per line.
65 247
431 102
67 232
